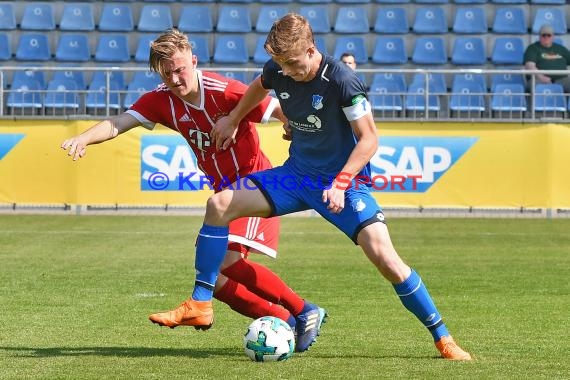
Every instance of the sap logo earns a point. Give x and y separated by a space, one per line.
169 155
8 141
421 159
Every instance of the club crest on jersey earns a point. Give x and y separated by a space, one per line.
317 102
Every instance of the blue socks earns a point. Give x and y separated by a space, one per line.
415 297
211 247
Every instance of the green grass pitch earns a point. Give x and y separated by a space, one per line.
76 291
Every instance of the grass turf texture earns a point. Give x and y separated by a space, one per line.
76 291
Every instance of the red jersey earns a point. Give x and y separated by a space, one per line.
218 96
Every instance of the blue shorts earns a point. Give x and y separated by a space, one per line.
287 193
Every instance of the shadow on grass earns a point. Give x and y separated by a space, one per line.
132 352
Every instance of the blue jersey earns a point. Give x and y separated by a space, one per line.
319 112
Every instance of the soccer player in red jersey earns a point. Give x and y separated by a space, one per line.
190 101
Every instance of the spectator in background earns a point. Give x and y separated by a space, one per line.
349 60
545 54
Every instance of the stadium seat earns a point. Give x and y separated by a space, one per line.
468 51
77 17
200 48
260 55
143 47
275 1
353 44
392 1
75 75
352 1
416 99
147 79
549 2
237 75
5 47
555 17
549 97
431 1
73 47
398 79
318 17
98 98
155 18
33 47
196 19
430 20
26 75
506 78
386 97
61 94
467 97
7 16
231 49
470 1
391 20
436 82
38 16
351 20
115 76
233 19
509 1
315 1
510 20
470 20
390 50
321 44
112 48
508 51
429 51
469 79
267 15
116 18
134 90
25 93
509 98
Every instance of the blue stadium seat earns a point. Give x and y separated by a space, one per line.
38 16
397 79
318 17
416 99
429 51
470 20
33 47
390 50
112 48
508 51
315 1
392 1
510 20
430 20
7 16
61 94
75 75
200 48
469 79
353 44
275 1
509 1
470 1
116 18
98 98
77 17
549 97
237 75
508 98
468 51
5 47
267 15
321 43
549 2
506 78
147 79
27 75
231 49
260 55
391 20
467 97
25 92
233 19
73 47
351 20
134 90
352 1
155 18
431 1
115 76
196 19
555 17
386 96
143 47
436 82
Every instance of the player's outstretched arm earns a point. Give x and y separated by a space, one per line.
100 132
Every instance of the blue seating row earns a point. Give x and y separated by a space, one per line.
232 18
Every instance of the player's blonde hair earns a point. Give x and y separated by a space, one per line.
288 35
165 46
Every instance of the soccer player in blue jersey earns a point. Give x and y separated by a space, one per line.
333 137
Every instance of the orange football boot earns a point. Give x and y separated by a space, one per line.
450 350
199 314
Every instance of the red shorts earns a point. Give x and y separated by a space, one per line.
254 234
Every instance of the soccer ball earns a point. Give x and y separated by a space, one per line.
269 339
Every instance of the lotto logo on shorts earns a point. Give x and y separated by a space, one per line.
416 162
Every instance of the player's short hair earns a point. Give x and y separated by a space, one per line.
289 34
165 46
